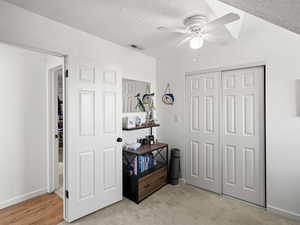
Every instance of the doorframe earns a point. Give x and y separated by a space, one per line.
224 68
51 122
50 138
185 111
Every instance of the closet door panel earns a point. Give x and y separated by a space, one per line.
242 134
202 131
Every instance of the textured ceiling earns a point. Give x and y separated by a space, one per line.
124 22
285 13
128 22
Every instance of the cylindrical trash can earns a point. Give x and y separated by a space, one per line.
174 170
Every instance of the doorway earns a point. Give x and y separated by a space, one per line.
56 129
26 196
225 132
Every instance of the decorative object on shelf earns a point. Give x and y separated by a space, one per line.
143 120
149 117
129 122
143 141
168 98
148 101
150 139
138 121
140 105
133 146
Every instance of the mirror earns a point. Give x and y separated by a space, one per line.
131 89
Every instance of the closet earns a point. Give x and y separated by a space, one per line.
225 132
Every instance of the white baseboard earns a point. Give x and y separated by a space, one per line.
283 212
23 197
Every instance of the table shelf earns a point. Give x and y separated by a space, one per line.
142 127
144 149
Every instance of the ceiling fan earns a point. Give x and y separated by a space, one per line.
199 29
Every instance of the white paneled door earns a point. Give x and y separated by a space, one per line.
94 157
243 134
202 131
225 133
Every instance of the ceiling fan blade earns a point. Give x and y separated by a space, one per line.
228 18
173 30
184 41
213 39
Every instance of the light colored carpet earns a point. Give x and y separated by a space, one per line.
184 205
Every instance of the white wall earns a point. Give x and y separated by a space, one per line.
26 28
280 50
22 27
23 124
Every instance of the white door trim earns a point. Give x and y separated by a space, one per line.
34 49
222 69
50 137
51 122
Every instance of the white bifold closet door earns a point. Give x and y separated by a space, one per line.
202 131
94 157
243 134
225 137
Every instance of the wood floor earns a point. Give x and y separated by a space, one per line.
43 210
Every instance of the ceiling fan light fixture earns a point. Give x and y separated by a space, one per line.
198 28
196 42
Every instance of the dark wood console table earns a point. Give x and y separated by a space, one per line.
145 171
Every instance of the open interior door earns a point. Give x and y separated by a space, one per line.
93 157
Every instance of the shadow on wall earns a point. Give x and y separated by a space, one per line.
297 83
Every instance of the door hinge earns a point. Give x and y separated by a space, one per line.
67 194
66 73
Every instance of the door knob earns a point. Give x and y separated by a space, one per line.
119 139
